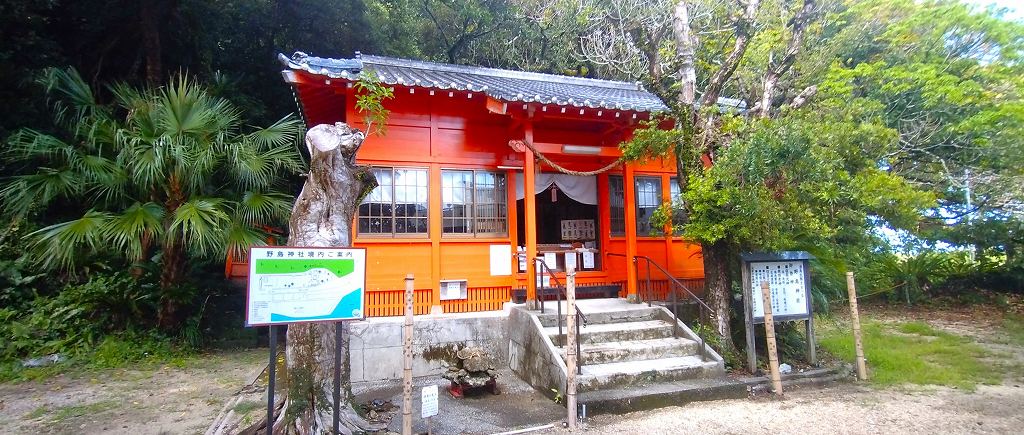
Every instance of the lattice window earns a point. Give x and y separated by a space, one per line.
398 206
474 203
617 201
648 198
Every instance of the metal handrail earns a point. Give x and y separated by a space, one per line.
559 291
672 293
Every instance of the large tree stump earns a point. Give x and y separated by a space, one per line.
322 217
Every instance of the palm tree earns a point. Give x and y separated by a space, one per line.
164 175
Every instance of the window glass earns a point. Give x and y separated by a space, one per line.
617 201
473 203
648 198
677 210
398 206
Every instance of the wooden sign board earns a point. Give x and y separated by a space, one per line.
578 229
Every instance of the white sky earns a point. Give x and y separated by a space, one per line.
1016 6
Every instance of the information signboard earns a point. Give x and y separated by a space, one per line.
788 275
305 284
786 285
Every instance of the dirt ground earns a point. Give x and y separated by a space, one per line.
186 400
851 408
837 409
161 400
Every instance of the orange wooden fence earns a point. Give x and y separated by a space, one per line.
480 299
392 302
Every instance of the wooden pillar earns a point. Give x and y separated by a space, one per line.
769 334
407 358
530 217
858 345
629 190
666 198
512 218
434 213
570 346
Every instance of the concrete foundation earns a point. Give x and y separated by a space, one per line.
376 343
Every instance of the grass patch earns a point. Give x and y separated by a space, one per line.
243 408
913 353
1014 327
36 413
68 412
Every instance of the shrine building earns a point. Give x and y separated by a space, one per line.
481 170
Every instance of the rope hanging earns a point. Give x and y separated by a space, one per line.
521 145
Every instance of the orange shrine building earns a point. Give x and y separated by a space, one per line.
464 202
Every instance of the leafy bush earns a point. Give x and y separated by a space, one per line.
75 319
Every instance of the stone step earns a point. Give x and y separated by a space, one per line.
635 350
602 317
609 332
636 373
620 400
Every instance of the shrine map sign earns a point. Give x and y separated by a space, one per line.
786 281
296 284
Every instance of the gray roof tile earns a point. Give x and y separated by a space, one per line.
504 85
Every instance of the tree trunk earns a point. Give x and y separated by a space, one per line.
718 288
171 273
322 217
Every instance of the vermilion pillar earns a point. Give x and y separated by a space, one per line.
629 188
530 218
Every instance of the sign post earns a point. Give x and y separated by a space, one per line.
788 275
293 284
428 405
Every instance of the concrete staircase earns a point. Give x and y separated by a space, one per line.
626 351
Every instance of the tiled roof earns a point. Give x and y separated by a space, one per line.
504 85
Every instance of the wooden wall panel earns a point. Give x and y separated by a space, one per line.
686 260
401 144
470 261
388 263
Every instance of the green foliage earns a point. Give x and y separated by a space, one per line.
75 319
913 353
157 167
370 101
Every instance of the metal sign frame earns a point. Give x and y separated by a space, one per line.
748 307
273 328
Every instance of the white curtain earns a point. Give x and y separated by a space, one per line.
580 189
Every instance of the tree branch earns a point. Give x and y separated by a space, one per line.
799 23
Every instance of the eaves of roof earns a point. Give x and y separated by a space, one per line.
503 85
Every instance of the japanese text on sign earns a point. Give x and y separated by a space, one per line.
578 229
787 286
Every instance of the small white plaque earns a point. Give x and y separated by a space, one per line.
551 259
570 260
428 402
501 260
588 260
452 289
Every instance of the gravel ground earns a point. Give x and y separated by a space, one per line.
840 409
849 408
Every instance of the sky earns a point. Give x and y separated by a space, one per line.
1017 6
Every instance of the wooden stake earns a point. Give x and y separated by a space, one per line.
407 359
851 289
570 345
769 332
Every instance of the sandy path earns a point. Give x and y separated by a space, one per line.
163 400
